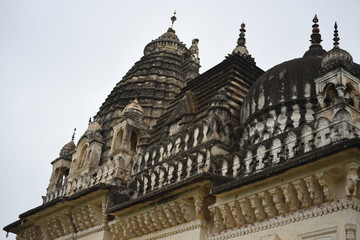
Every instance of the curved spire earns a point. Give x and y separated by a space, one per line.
336 36
241 48
315 36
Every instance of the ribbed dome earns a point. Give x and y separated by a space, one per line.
154 81
169 41
337 57
291 81
169 36
287 84
67 150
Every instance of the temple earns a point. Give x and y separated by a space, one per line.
233 153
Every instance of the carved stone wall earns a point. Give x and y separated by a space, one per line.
279 149
295 197
69 223
107 173
328 220
180 212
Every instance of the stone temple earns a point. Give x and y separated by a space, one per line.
233 153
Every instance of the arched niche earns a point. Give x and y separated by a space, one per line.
351 95
331 94
118 140
134 140
341 115
61 174
84 152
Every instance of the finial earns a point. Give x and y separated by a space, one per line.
173 19
242 40
315 19
315 36
73 135
241 48
336 36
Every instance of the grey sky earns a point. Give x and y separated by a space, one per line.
60 59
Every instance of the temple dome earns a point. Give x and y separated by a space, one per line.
290 81
168 41
337 57
66 151
169 36
286 84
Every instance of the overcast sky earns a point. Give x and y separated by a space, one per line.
59 59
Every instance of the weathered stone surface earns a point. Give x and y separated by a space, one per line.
233 153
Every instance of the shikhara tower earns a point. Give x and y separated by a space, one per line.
233 153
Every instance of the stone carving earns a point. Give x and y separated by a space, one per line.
350 231
287 199
303 193
148 222
177 212
237 213
218 220
324 183
188 209
163 217
158 218
256 203
291 197
229 221
268 204
194 49
199 205
290 218
170 215
351 179
155 219
247 210
279 200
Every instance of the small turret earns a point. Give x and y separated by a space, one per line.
61 166
336 56
68 148
134 111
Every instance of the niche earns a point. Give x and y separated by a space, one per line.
331 95
134 139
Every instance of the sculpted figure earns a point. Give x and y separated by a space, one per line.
351 180
194 49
